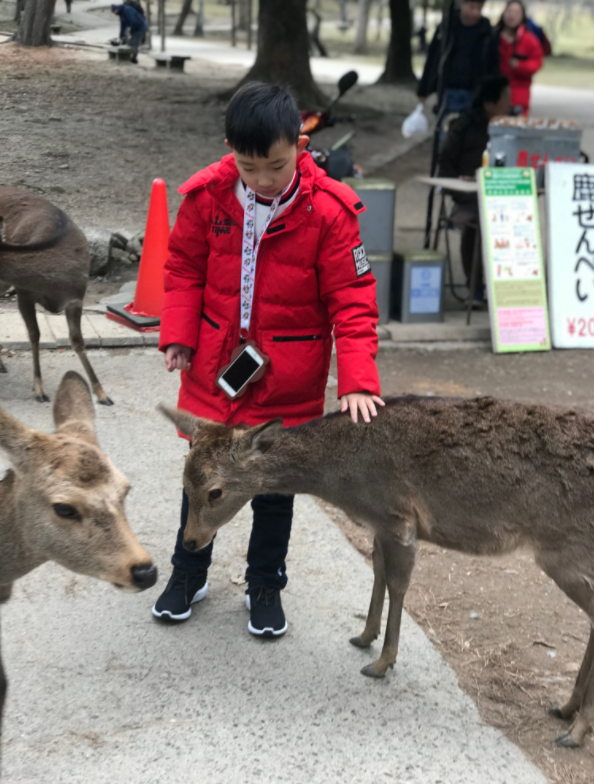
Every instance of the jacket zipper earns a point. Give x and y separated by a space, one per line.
294 338
210 321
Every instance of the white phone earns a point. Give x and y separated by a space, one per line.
240 371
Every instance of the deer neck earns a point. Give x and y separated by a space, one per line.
17 557
303 461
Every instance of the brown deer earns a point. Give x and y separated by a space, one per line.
479 476
45 256
64 501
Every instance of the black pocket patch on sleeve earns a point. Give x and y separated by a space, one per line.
362 266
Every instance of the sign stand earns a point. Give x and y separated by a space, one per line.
513 262
570 259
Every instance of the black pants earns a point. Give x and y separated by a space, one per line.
269 542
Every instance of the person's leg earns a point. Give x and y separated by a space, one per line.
266 571
182 559
187 583
135 41
269 540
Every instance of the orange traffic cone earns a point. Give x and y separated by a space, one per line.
144 313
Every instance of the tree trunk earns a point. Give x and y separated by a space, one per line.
362 25
34 29
183 15
283 51
399 68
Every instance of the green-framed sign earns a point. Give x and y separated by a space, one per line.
513 262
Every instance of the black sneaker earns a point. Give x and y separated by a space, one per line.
267 618
183 589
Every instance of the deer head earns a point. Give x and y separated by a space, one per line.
68 498
221 473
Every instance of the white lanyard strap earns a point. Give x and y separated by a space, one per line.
251 245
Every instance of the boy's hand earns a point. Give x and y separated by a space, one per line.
360 401
177 357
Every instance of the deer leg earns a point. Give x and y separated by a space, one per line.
73 317
3 686
574 580
399 560
572 706
584 719
26 305
374 616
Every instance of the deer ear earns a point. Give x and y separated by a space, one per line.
261 438
73 407
15 440
186 423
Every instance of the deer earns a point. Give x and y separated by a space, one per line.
63 501
479 476
45 257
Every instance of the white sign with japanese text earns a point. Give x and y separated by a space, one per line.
570 257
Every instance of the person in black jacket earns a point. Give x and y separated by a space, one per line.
462 155
471 56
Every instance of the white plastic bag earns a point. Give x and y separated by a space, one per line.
415 123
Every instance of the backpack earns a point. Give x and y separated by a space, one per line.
541 35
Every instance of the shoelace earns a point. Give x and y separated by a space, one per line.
265 596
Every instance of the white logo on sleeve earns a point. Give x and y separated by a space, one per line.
362 266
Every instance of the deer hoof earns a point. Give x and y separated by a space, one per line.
358 642
106 401
370 672
566 741
42 398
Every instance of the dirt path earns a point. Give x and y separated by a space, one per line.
513 638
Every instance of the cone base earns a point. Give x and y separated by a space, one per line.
121 315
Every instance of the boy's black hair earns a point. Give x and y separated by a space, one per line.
490 91
258 116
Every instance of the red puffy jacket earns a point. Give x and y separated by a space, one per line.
307 282
528 50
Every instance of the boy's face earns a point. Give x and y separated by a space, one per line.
269 176
471 12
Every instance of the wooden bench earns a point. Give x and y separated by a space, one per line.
121 54
174 62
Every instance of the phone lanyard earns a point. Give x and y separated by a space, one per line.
251 245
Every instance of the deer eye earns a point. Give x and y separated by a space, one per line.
214 494
67 511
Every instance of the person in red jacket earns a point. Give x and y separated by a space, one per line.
265 249
520 53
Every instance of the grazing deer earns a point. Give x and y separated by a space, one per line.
64 501
45 256
479 476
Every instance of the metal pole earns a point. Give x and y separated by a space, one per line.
233 31
162 21
249 25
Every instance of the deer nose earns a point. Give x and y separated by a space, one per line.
190 545
144 577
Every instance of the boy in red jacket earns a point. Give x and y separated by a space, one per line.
265 249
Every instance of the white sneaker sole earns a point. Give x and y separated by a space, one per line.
198 597
268 630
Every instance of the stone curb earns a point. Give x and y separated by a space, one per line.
100 332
